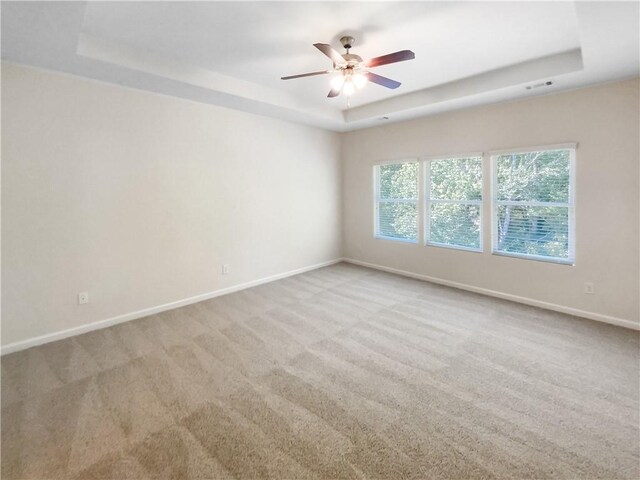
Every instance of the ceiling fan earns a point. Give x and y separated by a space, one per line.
351 71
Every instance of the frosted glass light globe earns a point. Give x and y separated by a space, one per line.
359 80
348 88
337 82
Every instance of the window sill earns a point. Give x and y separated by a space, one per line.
454 247
394 239
538 258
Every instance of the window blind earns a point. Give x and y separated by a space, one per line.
453 202
533 204
396 202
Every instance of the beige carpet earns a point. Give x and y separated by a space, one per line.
342 372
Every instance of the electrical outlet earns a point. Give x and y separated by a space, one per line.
83 297
589 289
225 269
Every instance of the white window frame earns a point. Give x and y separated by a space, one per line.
571 204
428 201
377 200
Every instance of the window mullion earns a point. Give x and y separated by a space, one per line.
427 202
531 203
456 202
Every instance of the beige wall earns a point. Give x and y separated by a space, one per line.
603 120
139 199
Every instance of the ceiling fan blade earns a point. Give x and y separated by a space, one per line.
311 74
329 52
380 80
400 56
333 93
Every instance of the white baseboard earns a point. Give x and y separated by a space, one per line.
89 327
70 332
505 296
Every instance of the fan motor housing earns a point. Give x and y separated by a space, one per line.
352 59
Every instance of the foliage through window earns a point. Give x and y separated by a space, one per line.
397 201
454 202
533 207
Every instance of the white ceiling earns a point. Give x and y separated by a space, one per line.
234 53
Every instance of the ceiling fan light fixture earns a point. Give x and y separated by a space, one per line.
350 72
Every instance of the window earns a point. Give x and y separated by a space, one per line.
533 204
453 202
396 202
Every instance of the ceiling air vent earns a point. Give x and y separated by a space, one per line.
538 85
